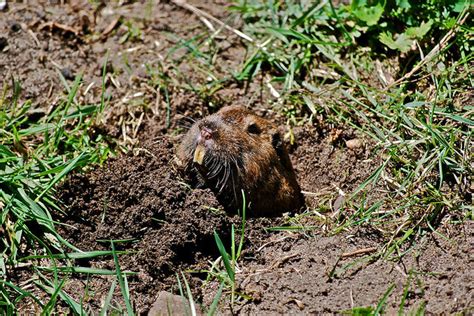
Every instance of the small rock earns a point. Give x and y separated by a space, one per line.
299 303
67 73
171 304
3 5
353 143
338 203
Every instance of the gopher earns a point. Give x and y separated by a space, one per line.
234 150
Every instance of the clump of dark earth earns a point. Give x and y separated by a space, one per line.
140 198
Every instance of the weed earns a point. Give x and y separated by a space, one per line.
108 299
189 304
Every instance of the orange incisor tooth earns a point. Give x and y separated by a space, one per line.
199 153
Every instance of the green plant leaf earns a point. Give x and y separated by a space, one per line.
369 14
360 311
75 307
405 4
192 305
83 270
68 168
108 299
402 43
48 309
419 31
415 104
284 33
460 5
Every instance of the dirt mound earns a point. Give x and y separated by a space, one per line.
167 227
140 199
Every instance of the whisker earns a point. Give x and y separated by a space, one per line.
211 164
185 122
236 164
233 186
225 178
190 119
185 126
233 168
220 180
214 172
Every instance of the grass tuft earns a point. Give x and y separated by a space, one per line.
38 148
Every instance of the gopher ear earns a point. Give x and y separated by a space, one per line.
280 148
277 142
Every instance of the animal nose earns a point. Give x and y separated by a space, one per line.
206 133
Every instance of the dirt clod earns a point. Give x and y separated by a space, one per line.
170 304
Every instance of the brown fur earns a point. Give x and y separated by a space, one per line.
245 152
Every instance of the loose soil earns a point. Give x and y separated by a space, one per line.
164 226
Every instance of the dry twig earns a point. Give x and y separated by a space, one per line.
359 252
202 14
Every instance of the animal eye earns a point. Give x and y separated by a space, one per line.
252 128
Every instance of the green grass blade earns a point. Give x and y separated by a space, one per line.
373 178
381 304
83 270
75 255
190 296
20 291
122 282
215 302
225 257
242 231
69 167
76 307
108 299
401 308
48 308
